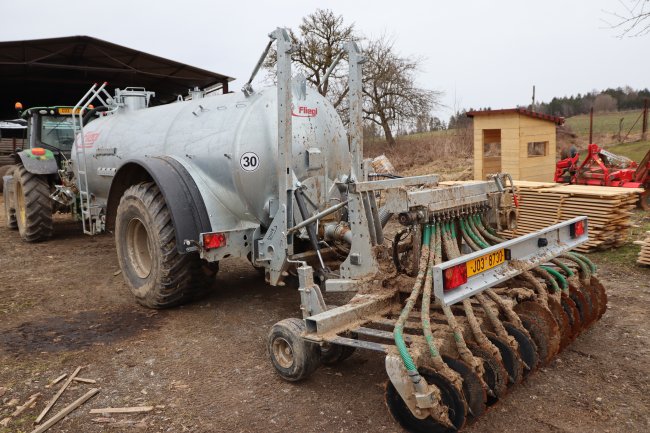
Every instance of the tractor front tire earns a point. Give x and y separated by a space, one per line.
33 205
157 274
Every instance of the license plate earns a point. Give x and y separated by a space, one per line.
483 263
68 111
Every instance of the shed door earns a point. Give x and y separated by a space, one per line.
491 151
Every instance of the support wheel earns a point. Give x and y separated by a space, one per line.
153 269
293 357
450 398
33 205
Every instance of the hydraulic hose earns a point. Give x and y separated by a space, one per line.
585 272
563 283
465 227
413 297
592 265
485 232
473 227
466 237
567 270
548 278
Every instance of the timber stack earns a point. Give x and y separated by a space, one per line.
609 210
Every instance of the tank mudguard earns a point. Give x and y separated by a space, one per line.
188 212
42 164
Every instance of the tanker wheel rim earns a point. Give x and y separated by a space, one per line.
527 348
450 397
138 248
282 352
473 391
21 208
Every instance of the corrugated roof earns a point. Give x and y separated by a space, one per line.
522 111
58 71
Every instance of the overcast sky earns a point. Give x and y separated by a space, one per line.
479 53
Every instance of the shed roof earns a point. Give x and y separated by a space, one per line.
521 111
58 71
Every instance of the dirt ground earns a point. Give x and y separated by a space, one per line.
205 369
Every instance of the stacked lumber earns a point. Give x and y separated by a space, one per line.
608 209
644 254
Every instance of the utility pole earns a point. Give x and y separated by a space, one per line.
644 125
591 125
532 106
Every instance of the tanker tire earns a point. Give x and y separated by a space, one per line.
165 278
33 205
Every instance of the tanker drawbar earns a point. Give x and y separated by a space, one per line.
460 312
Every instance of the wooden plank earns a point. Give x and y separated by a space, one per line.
65 411
83 380
56 397
135 409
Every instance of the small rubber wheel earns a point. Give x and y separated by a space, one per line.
293 357
157 274
450 397
509 357
33 205
527 349
473 391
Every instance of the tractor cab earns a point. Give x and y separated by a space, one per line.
50 128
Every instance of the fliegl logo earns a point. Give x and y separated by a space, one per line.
303 111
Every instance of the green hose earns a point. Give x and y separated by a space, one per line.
474 235
415 294
485 232
564 284
426 295
471 234
584 258
585 271
567 270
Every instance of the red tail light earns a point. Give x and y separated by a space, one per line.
214 240
455 276
577 229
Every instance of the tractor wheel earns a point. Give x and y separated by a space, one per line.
156 273
33 205
644 199
293 357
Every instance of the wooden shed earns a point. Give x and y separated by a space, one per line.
516 141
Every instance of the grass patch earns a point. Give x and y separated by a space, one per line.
634 151
607 123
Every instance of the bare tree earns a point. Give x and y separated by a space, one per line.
605 103
320 38
634 19
389 87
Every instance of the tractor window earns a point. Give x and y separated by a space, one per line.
57 131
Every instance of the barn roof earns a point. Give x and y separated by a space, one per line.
522 111
58 71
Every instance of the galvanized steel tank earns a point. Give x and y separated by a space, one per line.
229 142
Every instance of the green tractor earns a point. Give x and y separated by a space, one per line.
40 183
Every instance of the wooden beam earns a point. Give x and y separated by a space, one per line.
65 411
123 409
56 397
